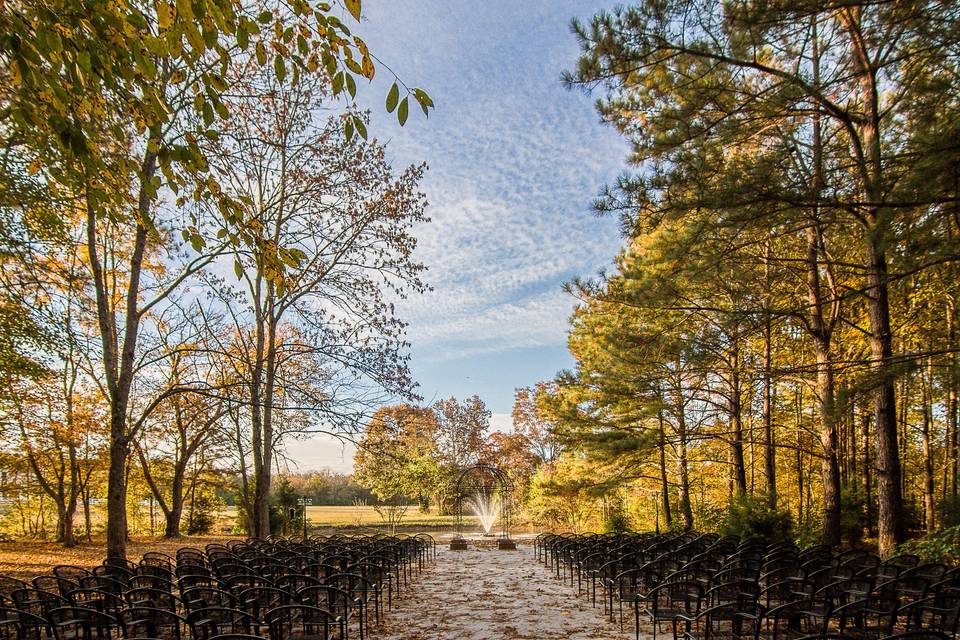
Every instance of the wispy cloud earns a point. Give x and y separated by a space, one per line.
515 160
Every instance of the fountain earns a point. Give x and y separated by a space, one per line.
485 506
486 491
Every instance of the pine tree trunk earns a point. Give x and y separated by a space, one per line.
952 400
830 468
867 473
664 484
736 421
870 168
928 485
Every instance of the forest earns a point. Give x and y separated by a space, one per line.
202 250
775 348
778 338
200 245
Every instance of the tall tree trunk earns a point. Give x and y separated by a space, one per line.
798 453
830 468
664 483
683 497
867 473
736 419
953 425
770 451
928 485
870 167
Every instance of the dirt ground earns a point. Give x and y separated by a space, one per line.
25 559
485 594
479 594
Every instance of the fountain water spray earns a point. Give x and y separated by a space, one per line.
486 506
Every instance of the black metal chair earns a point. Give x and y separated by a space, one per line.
301 622
80 623
152 622
214 621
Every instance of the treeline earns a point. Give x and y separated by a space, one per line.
199 250
327 487
780 328
416 454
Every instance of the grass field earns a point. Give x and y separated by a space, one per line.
362 516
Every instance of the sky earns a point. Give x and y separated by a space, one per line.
515 160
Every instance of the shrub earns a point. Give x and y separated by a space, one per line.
752 517
807 535
286 516
616 522
949 509
853 516
202 515
942 545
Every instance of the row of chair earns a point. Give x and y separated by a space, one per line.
706 586
277 588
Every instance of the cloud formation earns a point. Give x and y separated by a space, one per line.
515 159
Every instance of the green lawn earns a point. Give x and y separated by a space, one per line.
348 516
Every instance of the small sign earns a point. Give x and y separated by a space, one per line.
305 502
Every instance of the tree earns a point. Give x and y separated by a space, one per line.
183 430
397 456
331 207
101 96
709 75
460 430
529 422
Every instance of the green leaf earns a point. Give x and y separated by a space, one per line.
238 269
353 6
425 101
393 96
261 54
279 68
351 86
207 114
348 129
265 17
403 111
361 128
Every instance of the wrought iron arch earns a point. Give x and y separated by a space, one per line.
487 481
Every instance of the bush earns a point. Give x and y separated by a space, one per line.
853 515
751 517
202 514
942 545
949 509
617 522
286 516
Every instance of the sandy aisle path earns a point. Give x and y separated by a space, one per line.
493 595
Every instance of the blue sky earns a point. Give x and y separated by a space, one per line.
515 160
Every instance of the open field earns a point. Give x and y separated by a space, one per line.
363 516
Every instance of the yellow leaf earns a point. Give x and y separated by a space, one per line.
164 15
367 66
34 167
15 73
353 6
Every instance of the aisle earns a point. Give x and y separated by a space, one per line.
493 595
